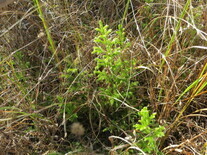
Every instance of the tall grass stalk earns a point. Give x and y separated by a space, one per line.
125 12
196 88
53 47
173 40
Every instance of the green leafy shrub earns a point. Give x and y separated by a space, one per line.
114 66
149 131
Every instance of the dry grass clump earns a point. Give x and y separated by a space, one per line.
40 98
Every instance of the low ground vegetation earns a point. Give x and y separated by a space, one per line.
103 76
